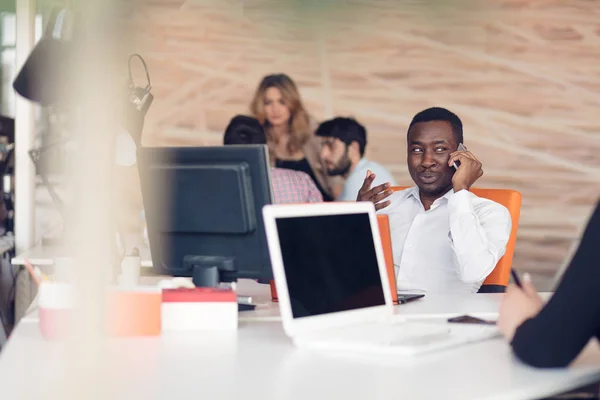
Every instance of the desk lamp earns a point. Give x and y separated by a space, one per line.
44 78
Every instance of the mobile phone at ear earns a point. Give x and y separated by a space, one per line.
467 319
461 147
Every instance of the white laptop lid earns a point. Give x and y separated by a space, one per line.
328 265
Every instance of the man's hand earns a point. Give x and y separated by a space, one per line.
518 306
468 171
376 194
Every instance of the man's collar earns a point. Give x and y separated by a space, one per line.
447 195
414 192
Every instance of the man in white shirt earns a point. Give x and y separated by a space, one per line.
444 238
344 142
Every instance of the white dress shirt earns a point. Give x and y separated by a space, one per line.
356 178
452 247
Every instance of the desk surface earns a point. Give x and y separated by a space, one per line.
44 256
262 363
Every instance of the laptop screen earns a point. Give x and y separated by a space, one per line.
330 263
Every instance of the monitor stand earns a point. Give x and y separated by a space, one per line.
210 271
206 276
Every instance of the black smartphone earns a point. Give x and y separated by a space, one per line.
467 319
405 298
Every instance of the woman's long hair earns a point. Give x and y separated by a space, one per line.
299 127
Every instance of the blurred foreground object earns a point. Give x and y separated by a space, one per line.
49 78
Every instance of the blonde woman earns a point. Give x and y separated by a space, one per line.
290 133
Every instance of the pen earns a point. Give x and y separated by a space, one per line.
516 278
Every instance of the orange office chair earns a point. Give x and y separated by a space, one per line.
386 243
497 280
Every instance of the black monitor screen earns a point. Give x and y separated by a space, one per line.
330 263
203 209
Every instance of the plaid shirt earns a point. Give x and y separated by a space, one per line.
293 187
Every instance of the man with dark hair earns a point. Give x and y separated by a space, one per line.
444 238
244 130
344 142
288 186
440 114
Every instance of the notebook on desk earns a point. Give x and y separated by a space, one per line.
333 285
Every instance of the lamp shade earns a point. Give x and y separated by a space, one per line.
44 75
48 71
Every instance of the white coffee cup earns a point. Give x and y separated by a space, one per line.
130 271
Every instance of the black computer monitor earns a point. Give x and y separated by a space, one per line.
204 211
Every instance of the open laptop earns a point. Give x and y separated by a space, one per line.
333 288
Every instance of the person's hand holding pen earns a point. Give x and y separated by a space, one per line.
521 302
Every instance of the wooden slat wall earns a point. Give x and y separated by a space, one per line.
523 75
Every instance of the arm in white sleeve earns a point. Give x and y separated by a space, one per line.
479 232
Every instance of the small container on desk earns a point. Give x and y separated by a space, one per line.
199 309
55 302
130 312
134 311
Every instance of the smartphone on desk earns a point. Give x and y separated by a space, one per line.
467 319
405 298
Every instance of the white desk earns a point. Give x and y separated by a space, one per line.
457 304
44 256
263 364
431 306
